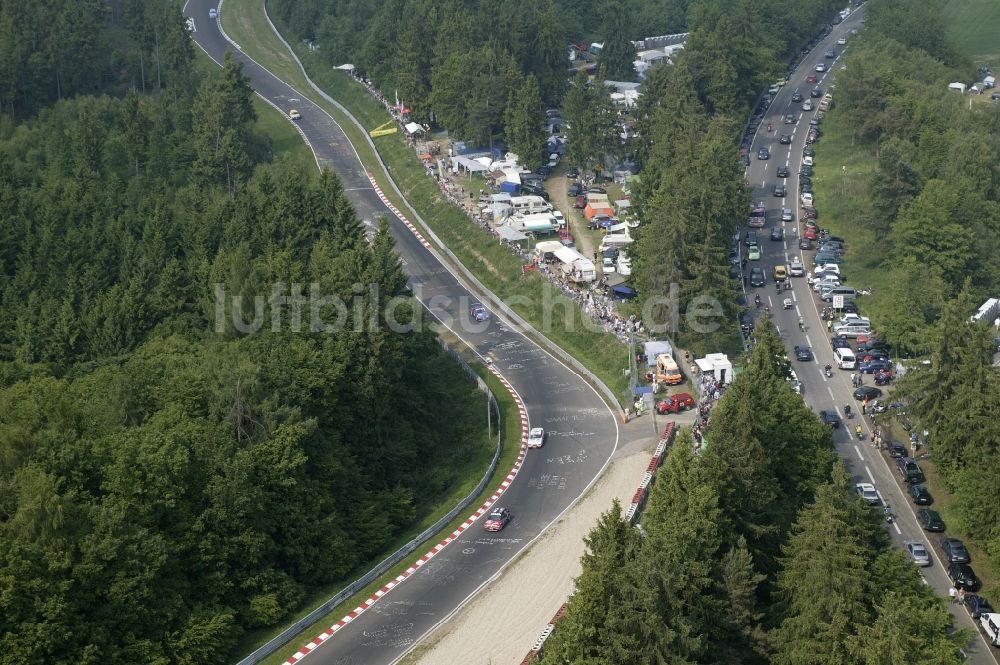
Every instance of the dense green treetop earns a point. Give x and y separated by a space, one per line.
168 482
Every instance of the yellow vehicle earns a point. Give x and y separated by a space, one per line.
667 370
384 129
780 273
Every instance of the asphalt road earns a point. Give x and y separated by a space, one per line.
821 393
582 431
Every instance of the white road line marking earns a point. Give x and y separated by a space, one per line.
858 451
830 390
807 341
870 474
896 527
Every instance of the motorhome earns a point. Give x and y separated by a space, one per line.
527 205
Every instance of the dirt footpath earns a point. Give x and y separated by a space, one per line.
520 603
557 185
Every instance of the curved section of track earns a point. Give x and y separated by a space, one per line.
582 430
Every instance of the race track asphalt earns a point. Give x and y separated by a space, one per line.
582 430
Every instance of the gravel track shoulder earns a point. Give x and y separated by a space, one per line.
521 602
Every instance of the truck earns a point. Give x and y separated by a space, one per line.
758 216
667 370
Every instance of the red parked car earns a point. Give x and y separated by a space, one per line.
581 202
675 404
809 233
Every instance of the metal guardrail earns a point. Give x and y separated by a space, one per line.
294 629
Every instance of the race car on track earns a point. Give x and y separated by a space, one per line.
497 519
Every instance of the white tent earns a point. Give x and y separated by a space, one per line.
957 86
547 247
469 165
510 234
414 128
568 255
718 365
512 176
346 68
654 349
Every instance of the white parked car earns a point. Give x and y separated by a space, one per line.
559 217
536 437
624 265
808 161
806 198
608 266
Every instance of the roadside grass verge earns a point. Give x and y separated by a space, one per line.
483 255
841 175
944 505
511 445
285 141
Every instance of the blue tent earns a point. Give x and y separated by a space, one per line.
622 292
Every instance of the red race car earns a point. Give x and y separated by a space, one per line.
675 404
497 519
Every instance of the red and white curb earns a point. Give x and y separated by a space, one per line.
396 211
639 498
483 509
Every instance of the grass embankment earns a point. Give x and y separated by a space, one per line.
841 175
473 473
285 140
945 506
972 25
489 261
